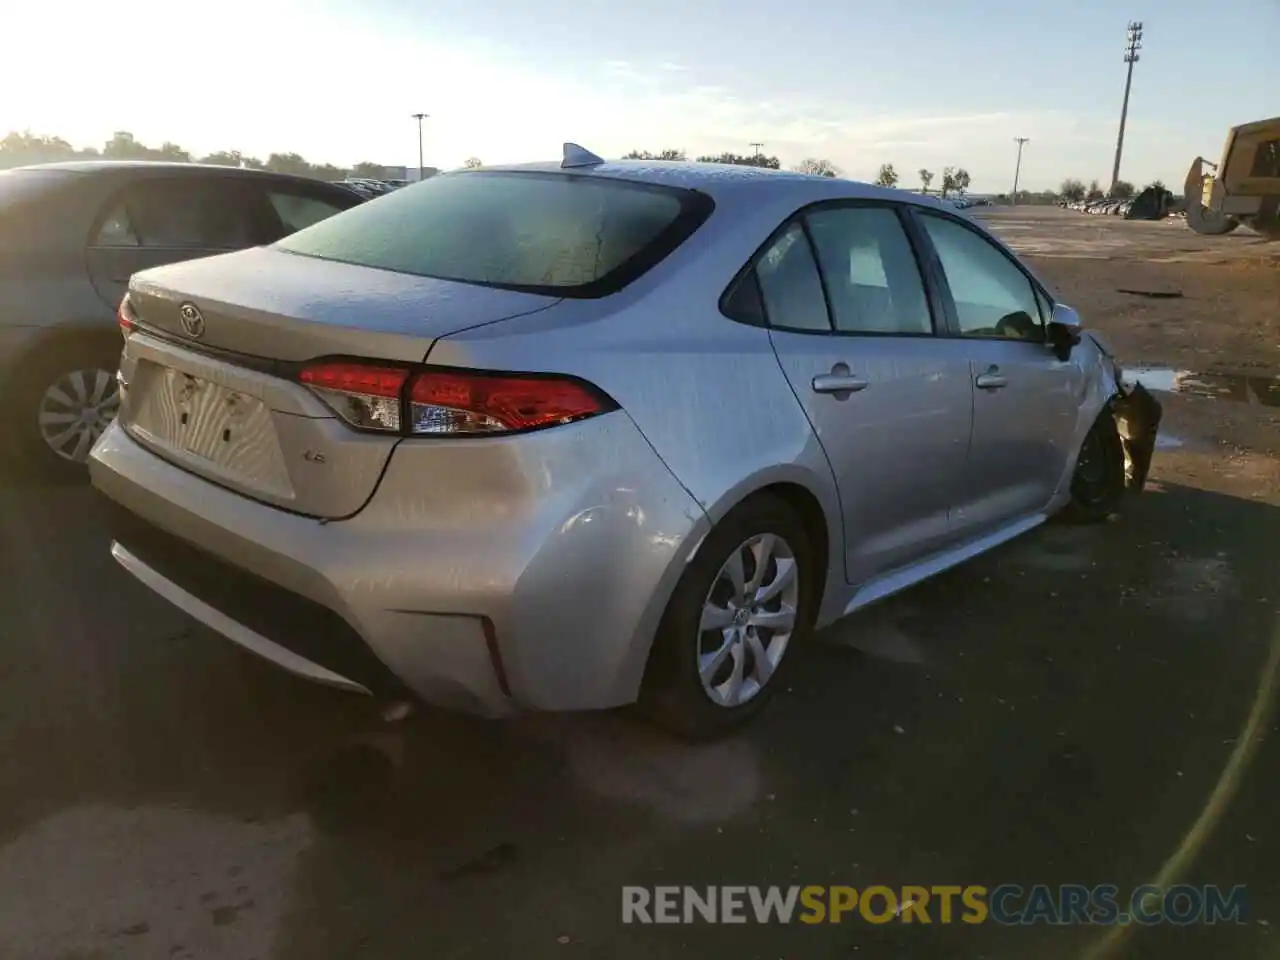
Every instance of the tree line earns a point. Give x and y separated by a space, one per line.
955 180
1075 190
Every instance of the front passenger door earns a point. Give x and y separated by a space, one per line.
1025 400
853 328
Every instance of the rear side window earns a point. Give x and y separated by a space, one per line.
559 234
298 211
185 213
790 285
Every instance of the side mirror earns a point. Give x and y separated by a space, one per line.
1065 330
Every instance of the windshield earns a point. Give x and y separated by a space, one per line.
565 235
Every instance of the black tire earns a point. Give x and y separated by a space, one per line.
1097 485
673 694
22 396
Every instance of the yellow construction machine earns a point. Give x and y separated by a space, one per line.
1243 188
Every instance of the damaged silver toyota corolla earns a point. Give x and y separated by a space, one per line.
571 435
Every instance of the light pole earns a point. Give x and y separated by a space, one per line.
1017 168
420 117
757 146
1133 43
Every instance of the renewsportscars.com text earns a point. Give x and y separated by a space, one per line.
1008 904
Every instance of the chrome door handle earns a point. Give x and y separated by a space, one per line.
990 381
838 383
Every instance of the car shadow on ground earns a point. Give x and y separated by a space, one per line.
1058 711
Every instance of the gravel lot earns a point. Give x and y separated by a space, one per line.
1064 710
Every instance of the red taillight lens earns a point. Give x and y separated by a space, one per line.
449 402
125 317
463 402
365 395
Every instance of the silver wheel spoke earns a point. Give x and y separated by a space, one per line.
780 621
731 689
762 550
56 394
762 666
77 385
783 579
101 383
59 440
734 570
715 618
83 444
710 663
50 419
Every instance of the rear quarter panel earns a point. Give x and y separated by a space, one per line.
706 392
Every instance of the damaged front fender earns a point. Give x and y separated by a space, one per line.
1137 414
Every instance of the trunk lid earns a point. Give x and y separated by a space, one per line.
284 306
219 397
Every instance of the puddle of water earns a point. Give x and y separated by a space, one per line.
1256 390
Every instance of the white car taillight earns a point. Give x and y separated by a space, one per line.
450 402
125 317
368 397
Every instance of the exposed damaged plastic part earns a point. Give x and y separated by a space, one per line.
1137 414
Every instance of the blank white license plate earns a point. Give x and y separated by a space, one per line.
226 431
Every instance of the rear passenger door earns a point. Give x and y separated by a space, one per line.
854 330
164 220
1025 400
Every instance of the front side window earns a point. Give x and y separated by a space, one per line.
872 278
993 298
560 234
790 285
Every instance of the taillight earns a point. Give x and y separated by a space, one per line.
125 317
365 396
462 402
449 402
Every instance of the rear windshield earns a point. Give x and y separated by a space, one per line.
559 234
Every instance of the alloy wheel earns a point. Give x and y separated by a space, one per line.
75 410
747 620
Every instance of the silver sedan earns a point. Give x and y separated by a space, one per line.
570 435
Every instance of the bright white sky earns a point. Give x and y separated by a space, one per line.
509 80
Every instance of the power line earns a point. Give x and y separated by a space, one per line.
1020 141
1133 43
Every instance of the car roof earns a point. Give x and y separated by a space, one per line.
124 168
720 180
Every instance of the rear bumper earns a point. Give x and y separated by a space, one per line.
488 576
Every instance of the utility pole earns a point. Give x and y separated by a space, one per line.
421 168
757 146
1133 43
1013 198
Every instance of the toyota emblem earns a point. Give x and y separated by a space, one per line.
192 321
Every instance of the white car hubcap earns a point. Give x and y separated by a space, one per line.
747 620
74 411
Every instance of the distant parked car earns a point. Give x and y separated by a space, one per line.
71 235
564 435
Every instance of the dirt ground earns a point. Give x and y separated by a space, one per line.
1084 705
